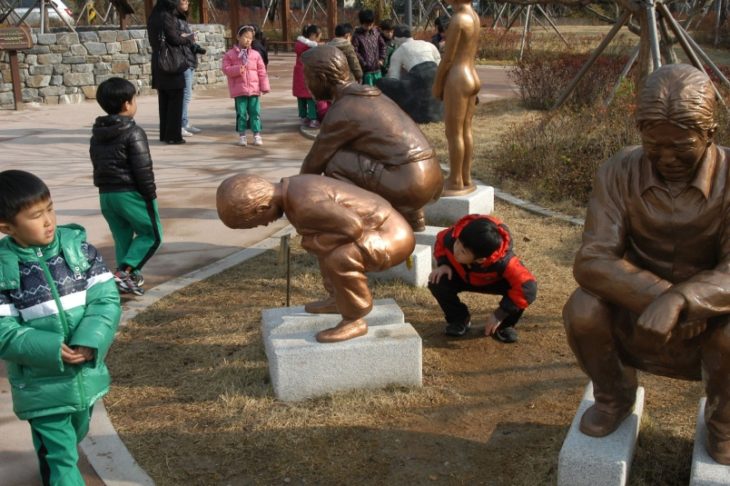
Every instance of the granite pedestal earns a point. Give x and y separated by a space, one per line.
604 461
447 210
300 367
705 471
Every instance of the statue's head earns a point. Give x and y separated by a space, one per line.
325 67
246 201
675 115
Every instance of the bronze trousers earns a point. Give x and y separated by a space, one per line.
609 349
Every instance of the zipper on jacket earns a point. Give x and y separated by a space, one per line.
61 315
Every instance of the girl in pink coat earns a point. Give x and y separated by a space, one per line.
247 80
307 108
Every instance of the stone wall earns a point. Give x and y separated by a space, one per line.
67 67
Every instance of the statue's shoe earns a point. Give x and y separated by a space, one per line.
343 331
599 422
324 306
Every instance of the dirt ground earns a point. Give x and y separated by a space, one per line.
192 401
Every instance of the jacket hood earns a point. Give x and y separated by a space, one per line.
356 89
111 126
337 42
166 5
503 249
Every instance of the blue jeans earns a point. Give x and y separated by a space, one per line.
187 95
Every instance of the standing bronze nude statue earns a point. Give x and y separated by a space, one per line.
366 139
350 230
654 266
458 84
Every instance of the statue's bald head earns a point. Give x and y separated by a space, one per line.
239 197
679 94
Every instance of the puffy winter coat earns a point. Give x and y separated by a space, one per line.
121 157
299 84
35 283
500 266
163 20
253 81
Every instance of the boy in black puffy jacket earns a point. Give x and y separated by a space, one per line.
123 173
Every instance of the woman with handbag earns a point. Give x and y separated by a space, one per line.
168 67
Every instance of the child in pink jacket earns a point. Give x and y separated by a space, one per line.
306 104
247 80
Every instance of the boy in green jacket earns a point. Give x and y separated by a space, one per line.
55 360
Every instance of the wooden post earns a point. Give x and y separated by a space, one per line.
285 7
203 12
148 4
12 39
331 17
15 76
234 19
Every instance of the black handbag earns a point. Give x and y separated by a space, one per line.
171 59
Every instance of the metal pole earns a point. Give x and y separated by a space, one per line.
718 15
653 38
525 30
409 14
624 73
609 37
676 29
498 16
552 24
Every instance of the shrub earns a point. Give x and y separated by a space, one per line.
541 79
498 44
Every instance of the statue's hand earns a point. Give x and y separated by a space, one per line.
662 315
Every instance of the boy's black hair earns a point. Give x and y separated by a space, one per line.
386 24
481 238
366 16
113 93
310 30
341 30
18 190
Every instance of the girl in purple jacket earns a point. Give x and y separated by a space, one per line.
247 80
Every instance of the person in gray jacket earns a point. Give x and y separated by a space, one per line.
343 41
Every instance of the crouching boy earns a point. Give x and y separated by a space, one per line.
59 310
350 230
475 255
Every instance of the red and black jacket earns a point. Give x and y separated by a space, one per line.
500 267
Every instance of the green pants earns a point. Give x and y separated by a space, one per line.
248 114
307 108
55 438
135 226
371 78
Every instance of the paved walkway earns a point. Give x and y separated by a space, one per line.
52 142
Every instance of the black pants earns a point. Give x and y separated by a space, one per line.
447 292
170 104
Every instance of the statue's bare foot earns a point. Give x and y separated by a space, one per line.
598 421
345 330
452 188
324 306
719 449
417 219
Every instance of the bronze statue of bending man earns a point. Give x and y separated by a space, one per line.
654 266
366 139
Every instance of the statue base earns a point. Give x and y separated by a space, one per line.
599 461
416 275
450 192
300 367
447 210
705 471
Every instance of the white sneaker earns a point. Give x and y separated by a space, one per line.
242 141
257 140
192 129
185 133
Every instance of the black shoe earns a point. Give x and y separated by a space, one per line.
505 335
176 142
457 329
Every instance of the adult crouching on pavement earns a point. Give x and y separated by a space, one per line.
170 87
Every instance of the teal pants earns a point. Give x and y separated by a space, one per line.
135 226
307 108
371 78
55 438
248 114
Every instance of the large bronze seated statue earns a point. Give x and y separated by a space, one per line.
654 266
367 140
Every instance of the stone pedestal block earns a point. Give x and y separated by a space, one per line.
300 367
447 210
705 471
416 275
428 236
605 461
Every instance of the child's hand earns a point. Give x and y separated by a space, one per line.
71 356
87 353
242 69
492 325
439 272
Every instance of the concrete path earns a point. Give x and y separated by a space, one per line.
52 142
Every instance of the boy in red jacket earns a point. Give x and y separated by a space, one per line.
475 255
